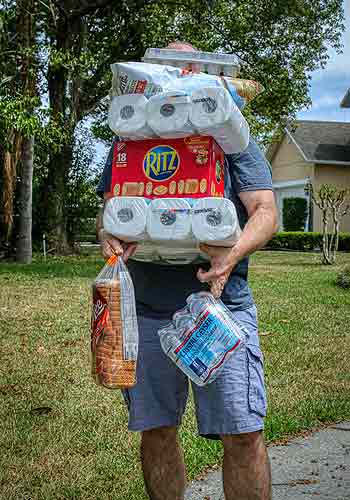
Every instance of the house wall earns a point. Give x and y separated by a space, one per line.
331 174
288 163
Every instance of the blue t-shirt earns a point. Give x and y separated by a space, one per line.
161 290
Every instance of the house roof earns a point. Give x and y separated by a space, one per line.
345 103
319 141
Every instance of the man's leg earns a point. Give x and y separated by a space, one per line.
162 464
246 468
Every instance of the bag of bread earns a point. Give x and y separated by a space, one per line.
114 331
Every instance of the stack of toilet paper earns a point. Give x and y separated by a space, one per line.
207 111
171 229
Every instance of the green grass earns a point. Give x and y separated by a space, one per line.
65 438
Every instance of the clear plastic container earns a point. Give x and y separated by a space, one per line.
212 63
202 337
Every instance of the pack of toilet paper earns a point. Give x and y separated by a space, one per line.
205 111
150 79
171 229
214 113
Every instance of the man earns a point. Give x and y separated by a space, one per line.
231 408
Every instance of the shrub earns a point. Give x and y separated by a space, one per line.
304 241
294 214
343 278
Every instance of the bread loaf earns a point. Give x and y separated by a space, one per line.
109 368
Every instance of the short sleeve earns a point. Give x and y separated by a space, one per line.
250 171
104 186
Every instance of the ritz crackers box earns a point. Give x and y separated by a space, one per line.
190 167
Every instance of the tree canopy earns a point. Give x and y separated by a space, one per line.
279 41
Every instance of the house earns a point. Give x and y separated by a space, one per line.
310 151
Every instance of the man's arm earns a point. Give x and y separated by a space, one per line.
261 226
262 222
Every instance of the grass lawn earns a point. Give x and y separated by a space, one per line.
65 438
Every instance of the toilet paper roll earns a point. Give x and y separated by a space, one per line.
214 113
168 114
215 221
127 116
169 219
125 217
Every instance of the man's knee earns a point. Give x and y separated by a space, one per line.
159 438
239 444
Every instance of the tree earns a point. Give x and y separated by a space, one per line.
22 119
280 41
10 140
26 39
330 199
81 196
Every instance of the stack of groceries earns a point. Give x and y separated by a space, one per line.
176 115
175 126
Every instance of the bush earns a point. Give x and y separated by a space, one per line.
343 278
294 214
304 241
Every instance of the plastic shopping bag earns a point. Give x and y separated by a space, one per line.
114 331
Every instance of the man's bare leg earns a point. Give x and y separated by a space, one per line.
162 464
246 468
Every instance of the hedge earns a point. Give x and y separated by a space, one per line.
304 241
294 214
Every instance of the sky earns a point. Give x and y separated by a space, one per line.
328 86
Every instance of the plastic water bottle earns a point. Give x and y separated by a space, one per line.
202 337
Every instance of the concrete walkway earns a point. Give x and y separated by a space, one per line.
315 467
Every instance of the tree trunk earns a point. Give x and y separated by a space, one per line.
26 10
325 248
24 245
56 200
336 241
64 96
11 159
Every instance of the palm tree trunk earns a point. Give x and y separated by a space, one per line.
24 245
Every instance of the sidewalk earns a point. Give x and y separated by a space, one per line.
315 467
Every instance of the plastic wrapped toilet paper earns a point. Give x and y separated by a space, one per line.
178 256
126 217
127 116
214 113
142 78
215 221
169 219
146 251
174 253
168 114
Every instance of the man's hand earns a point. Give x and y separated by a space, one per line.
262 224
223 260
110 245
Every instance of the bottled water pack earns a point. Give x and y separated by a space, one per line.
201 337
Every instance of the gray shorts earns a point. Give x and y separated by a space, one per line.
234 403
